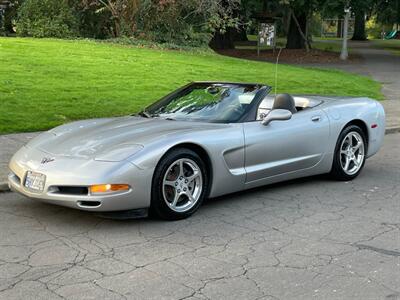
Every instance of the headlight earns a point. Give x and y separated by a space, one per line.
119 152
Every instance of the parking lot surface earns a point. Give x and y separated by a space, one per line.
306 239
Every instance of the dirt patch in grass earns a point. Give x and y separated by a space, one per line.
291 56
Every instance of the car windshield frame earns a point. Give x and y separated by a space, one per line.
249 112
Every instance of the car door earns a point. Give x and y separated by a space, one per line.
285 146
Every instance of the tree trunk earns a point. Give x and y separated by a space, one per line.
228 39
359 26
232 34
223 41
240 34
294 37
117 28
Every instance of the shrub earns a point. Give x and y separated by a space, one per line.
374 28
46 18
146 43
186 37
185 22
91 22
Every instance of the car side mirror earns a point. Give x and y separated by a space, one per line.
277 115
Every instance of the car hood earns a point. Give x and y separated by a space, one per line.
111 139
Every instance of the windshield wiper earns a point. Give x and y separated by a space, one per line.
144 113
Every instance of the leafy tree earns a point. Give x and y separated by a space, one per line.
107 17
388 12
297 15
189 22
46 18
93 23
225 24
10 15
360 8
123 13
300 13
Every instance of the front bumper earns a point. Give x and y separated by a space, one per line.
72 172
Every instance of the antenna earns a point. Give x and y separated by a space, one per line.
276 70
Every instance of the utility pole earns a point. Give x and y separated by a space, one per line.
345 54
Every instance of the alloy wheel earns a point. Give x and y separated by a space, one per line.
182 185
352 153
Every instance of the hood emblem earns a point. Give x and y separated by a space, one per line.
46 160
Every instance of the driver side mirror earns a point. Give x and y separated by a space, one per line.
276 115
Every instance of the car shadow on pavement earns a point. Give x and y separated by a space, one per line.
278 195
242 199
289 185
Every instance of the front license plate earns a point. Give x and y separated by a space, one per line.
35 181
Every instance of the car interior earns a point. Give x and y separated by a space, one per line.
285 101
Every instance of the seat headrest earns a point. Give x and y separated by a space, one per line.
285 101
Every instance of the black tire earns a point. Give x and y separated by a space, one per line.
337 171
159 207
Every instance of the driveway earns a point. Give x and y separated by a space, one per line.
311 238
383 66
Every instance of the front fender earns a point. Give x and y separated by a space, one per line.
224 147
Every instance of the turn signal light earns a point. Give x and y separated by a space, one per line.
106 188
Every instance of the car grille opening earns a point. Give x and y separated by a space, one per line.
71 190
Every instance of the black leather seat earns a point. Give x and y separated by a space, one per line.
285 101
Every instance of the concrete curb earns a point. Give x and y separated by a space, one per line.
4 185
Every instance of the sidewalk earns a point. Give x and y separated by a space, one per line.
383 66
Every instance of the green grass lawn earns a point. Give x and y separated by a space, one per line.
47 82
328 44
390 45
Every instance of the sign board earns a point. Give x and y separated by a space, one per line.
266 35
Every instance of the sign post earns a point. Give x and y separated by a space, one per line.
345 53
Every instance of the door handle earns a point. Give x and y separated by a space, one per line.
316 118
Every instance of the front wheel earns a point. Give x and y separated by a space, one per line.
350 152
180 184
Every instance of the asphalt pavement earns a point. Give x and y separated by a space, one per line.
312 238
380 64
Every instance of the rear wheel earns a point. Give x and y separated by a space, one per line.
180 184
350 153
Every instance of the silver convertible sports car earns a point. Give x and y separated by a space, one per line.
204 140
